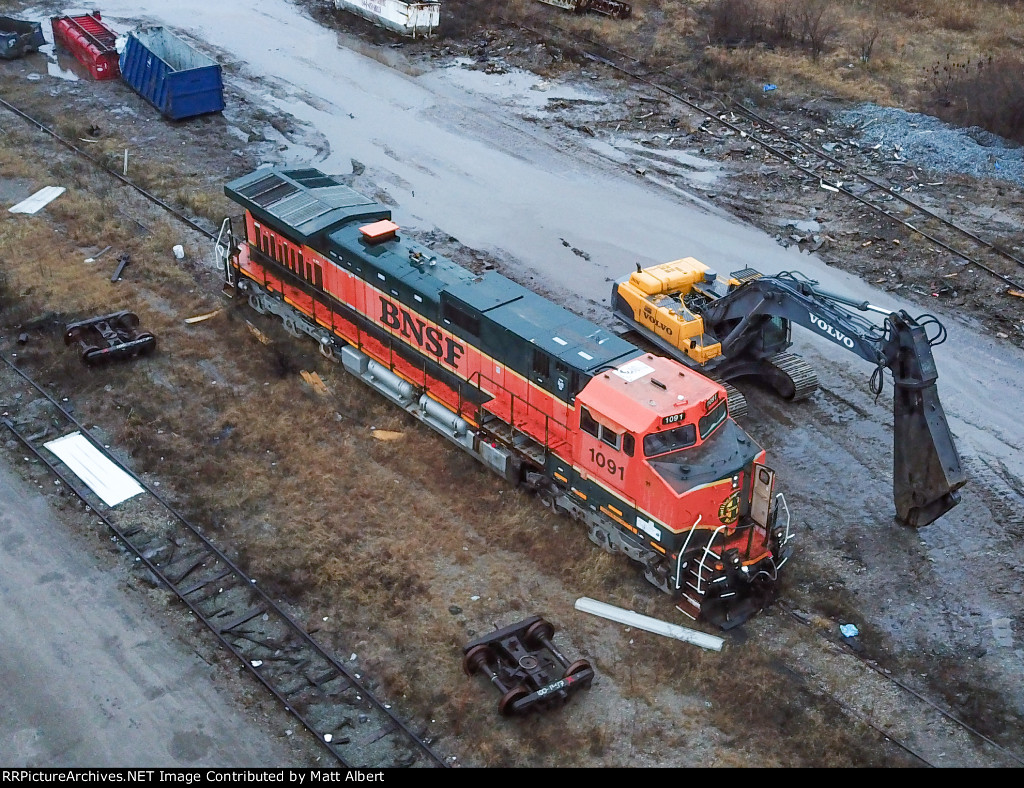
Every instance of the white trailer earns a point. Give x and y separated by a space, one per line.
409 19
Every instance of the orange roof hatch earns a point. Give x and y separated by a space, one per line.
375 233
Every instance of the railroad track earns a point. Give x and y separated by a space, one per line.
339 708
824 168
923 728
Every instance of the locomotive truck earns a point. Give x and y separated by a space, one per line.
637 447
740 326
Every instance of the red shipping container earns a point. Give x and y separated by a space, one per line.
90 41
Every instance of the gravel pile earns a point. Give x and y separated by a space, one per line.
927 142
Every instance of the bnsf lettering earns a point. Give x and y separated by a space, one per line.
425 337
831 331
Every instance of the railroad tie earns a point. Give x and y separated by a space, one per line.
201 583
246 616
180 569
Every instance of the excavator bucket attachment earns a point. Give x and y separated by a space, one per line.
927 473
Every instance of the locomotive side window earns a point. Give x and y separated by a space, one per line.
588 424
591 426
670 440
628 444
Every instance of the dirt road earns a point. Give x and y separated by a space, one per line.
94 677
481 158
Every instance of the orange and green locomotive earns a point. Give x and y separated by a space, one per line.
639 448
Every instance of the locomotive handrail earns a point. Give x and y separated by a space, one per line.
707 552
548 419
679 559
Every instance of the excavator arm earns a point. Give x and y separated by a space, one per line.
927 472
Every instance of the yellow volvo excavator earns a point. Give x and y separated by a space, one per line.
740 326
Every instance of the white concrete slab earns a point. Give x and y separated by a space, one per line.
39 200
112 484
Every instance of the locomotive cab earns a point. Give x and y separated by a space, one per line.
660 436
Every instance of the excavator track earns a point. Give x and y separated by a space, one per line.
792 376
737 402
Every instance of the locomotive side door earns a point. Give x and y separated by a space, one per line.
761 494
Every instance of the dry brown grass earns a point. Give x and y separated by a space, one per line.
868 50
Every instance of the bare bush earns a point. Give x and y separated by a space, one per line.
775 23
734 22
865 39
987 93
817 23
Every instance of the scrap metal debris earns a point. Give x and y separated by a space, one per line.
122 261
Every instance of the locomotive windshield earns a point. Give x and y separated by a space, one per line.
708 423
670 440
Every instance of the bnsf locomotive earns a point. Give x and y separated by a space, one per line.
639 448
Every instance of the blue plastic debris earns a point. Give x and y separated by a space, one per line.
770 87
849 630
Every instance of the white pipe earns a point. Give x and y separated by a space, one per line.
649 624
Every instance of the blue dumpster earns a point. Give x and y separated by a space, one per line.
18 37
171 75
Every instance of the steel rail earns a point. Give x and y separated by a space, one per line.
247 582
67 143
903 686
775 151
995 248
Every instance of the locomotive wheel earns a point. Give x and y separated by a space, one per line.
537 632
509 699
254 302
476 658
576 667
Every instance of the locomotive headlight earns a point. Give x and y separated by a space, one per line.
735 560
745 569
735 482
